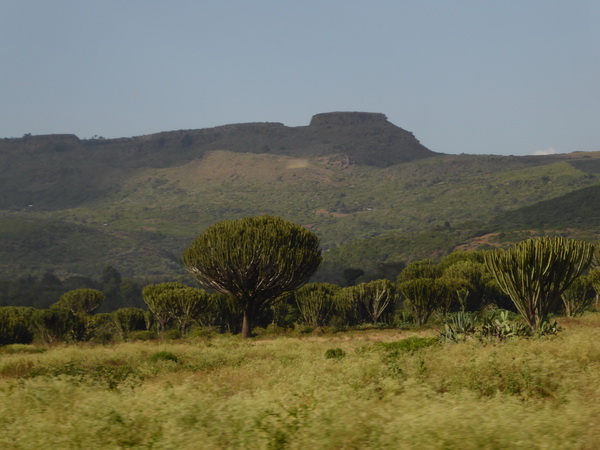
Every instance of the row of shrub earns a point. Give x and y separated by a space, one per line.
458 285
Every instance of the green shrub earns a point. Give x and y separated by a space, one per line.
80 301
502 324
459 326
164 356
54 325
14 328
127 320
410 344
335 353
317 303
579 296
423 297
368 302
142 335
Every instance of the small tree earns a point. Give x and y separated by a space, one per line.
14 327
423 297
469 280
56 325
156 297
316 303
372 299
579 296
426 268
80 301
175 301
127 320
351 274
595 280
536 272
253 260
186 305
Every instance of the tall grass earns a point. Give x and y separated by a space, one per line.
284 392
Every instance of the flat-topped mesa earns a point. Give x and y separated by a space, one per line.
341 119
366 138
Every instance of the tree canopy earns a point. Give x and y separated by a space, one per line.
253 260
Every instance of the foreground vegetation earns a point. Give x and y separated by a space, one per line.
360 389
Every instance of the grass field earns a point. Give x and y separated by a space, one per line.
358 389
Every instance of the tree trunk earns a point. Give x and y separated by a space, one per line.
247 322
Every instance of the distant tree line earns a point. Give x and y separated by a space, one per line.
254 272
42 291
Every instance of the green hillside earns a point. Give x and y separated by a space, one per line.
135 203
579 209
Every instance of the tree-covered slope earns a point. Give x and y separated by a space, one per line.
75 206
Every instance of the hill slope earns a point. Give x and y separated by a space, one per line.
75 206
58 171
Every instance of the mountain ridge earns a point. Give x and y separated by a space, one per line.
75 205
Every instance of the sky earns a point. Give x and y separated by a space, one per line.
502 77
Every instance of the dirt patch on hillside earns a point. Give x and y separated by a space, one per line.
297 164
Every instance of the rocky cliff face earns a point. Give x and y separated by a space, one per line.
368 138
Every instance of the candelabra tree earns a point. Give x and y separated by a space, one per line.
253 260
536 272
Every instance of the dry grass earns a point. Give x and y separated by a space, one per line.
224 392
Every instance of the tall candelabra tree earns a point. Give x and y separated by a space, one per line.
157 297
372 299
80 301
253 260
316 303
423 296
536 272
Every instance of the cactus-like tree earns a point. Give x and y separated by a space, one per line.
80 301
127 320
253 260
158 297
423 297
579 296
536 272
14 327
595 280
372 299
316 303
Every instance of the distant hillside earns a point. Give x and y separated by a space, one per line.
577 209
375 196
56 171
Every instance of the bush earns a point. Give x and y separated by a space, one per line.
317 303
54 325
164 356
423 297
142 335
127 320
579 296
459 326
14 328
368 302
502 324
80 301
410 344
335 353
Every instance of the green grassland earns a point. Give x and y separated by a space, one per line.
360 389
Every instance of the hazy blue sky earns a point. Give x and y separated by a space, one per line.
497 76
